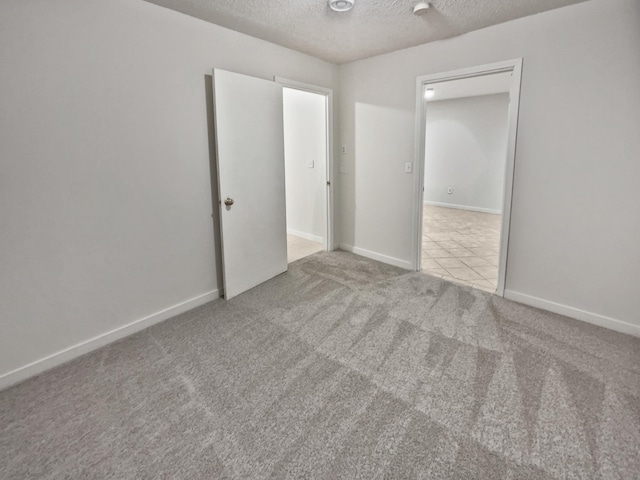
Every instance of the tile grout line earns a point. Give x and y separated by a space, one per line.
453 236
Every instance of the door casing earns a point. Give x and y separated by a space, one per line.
514 66
329 240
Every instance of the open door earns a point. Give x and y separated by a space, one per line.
251 181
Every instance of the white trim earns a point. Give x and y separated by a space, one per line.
63 356
418 179
306 236
463 207
420 125
507 196
583 315
396 262
329 240
475 71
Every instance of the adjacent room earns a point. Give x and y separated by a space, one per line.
305 159
238 241
464 178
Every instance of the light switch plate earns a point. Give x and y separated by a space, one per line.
310 164
408 167
342 167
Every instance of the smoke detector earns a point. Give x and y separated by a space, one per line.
341 5
421 8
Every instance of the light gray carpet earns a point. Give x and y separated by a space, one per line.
341 368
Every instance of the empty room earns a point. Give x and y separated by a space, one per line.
306 150
465 158
224 233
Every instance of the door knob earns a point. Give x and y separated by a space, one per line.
228 202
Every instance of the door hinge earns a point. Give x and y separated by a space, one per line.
328 183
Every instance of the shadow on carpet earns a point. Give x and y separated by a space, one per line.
342 367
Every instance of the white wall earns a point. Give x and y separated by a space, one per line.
105 188
305 139
575 223
466 149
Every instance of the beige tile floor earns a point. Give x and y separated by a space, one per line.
298 248
461 246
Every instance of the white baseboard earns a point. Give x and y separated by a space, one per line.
376 256
589 317
63 356
463 207
306 236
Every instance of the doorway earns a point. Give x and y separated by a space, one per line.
307 168
467 123
248 121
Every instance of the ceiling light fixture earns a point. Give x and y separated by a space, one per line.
421 8
341 5
429 93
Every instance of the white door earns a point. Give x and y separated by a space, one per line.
251 188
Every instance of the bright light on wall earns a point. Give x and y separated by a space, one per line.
429 93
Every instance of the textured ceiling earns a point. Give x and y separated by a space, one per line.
371 28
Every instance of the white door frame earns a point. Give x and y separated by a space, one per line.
328 94
514 66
